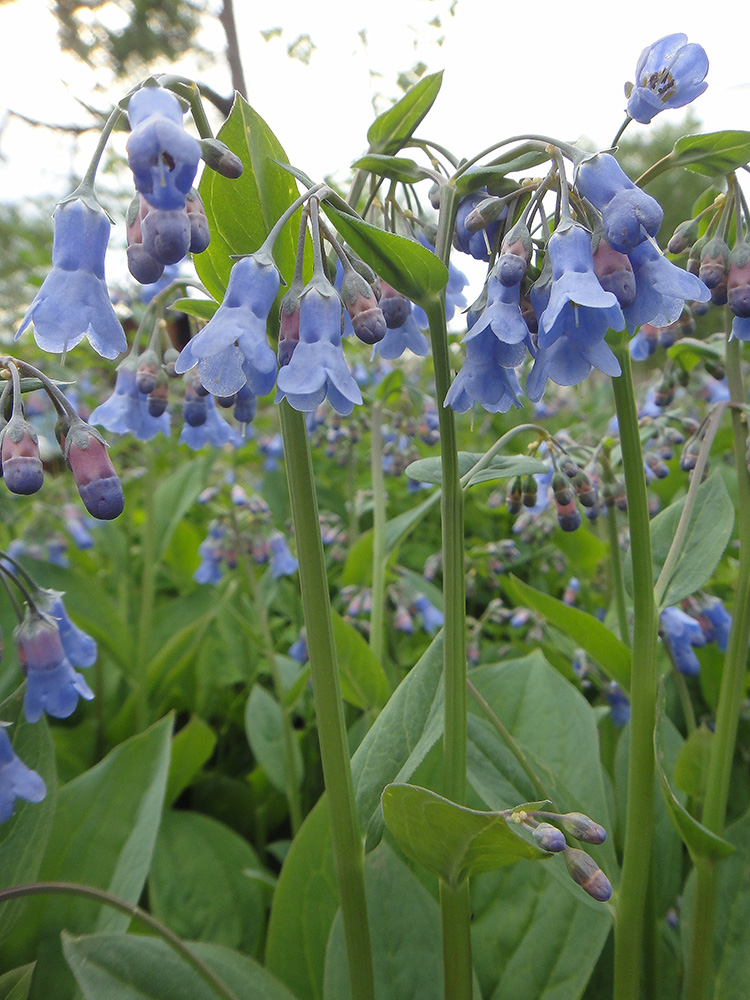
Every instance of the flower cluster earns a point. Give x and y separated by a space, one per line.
683 633
50 648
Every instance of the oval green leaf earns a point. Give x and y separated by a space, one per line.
394 127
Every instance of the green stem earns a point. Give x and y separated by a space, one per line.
345 834
454 904
629 926
135 913
377 618
292 790
148 594
615 572
730 701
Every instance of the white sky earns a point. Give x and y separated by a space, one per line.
542 67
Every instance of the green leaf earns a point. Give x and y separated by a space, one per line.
192 746
708 534
135 967
429 470
712 154
405 933
265 733
394 127
200 308
15 985
23 838
404 264
242 212
175 495
103 835
523 157
691 352
691 766
395 168
699 840
452 841
731 959
363 680
612 655
197 885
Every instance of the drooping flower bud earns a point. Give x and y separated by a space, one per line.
513 499
530 490
395 306
562 489
549 837
684 236
584 490
166 234
487 211
19 455
568 516
200 236
86 453
714 262
738 282
579 826
615 273
368 319
219 157
158 398
586 873
147 372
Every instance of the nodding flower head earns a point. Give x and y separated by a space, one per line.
17 781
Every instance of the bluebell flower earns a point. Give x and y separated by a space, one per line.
17 781
73 301
682 633
670 74
628 213
317 369
298 649
741 328
398 339
77 527
619 705
661 288
78 645
241 318
214 430
578 307
570 361
52 685
720 620
484 377
163 157
432 617
126 410
211 551
644 343
283 562
502 314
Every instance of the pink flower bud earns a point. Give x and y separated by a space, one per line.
94 474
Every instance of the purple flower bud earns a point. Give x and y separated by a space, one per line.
219 157
394 306
21 465
549 837
166 234
94 474
585 872
200 236
582 828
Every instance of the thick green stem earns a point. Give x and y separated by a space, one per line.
454 904
728 710
346 839
377 618
629 926
615 572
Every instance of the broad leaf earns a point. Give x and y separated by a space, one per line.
242 212
15 985
197 885
713 154
408 266
429 470
175 495
395 168
265 734
612 655
452 841
200 308
103 835
135 967
691 352
708 534
523 157
394 127
363 680
192 746
23 838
